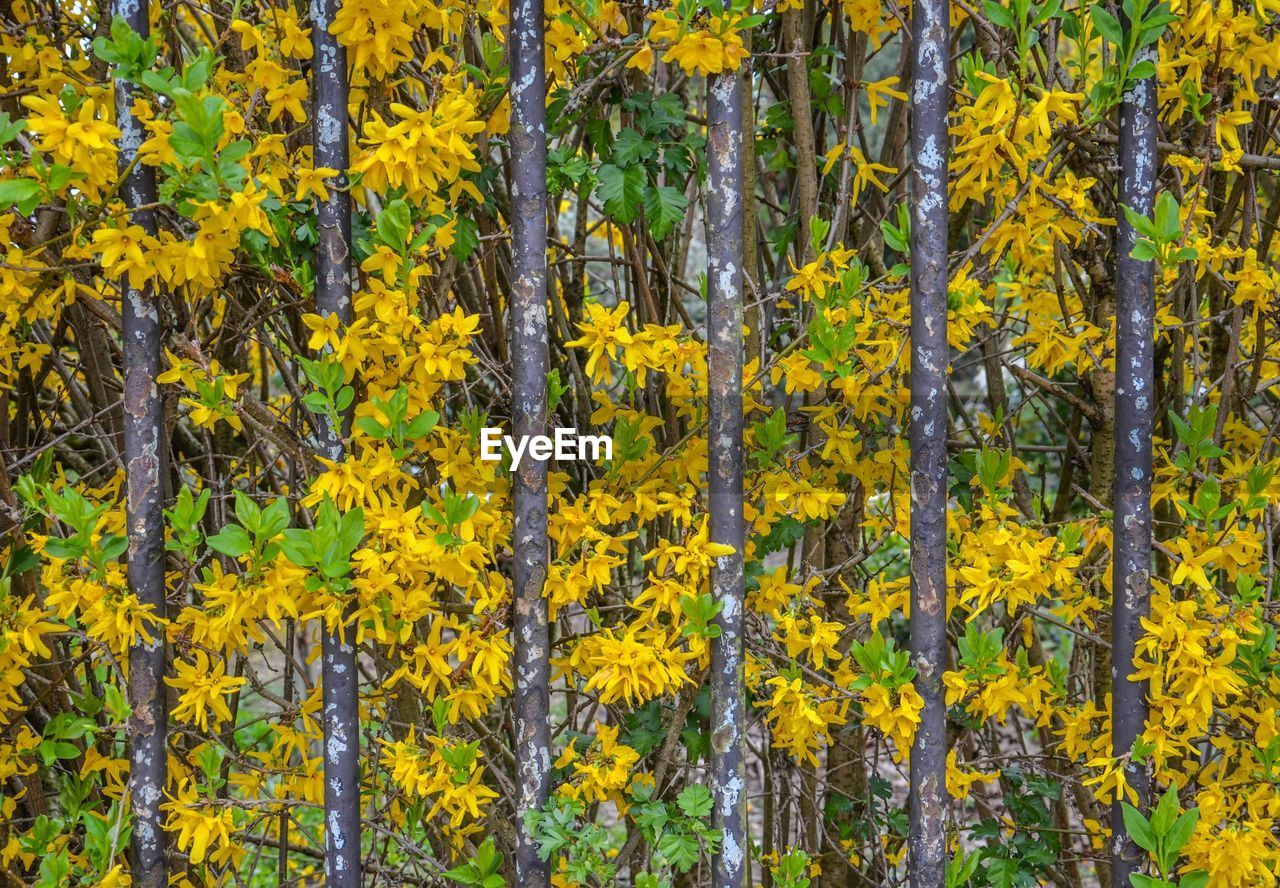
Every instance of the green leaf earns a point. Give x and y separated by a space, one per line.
1167 223
999 15
1138 828
112 547
20 192
422 424
126 51
231 541
1142 224
1142 70
372 428
394 224
664 207
298 547
247 511
1107 25
695 800
622 191
1144 251
199 128
1180 832
680 849
275 518
9 129
630 147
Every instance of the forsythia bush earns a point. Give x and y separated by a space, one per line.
408 537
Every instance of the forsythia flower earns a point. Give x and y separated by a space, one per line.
204 688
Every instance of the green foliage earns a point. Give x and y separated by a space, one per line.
482 870
454 510
555 390
21 193
622 190
630 443
1148 22
1024 18
1023 857
1195 434
330 396
880 662
1163 836
1159 235
700 610
678 833
991 466
128 54
792 870
639 165
256 534
185 532
326 548
207 168
980 651
771 437
79 518
393 423
831 345
897 236
560 831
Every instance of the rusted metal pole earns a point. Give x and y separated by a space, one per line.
1131 494
725 467
930 48
144 455
530 357
339 677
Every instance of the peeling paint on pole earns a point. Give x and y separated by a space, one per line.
1135 415
530 357
339 675
930 41
724 469
144 456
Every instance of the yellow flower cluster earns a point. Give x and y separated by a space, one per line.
711 48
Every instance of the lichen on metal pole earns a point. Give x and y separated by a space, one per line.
339 676
530 357
724 469
144 456
930 91
1134 416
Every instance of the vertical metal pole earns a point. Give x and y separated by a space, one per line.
930 47
339 675
144 456
530 357
1135 414
725 466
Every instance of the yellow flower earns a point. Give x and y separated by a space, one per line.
124 253
204 689
642 60
1111 782
325 331
1193 563
712 51
604 331
896 719
312 181
960 781
880 92
198 823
